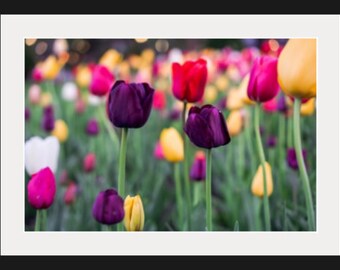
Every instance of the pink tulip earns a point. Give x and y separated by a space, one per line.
34 93
159 100
102 80
89 162
270 106
37 75
41 189
263 85
70 193
158 151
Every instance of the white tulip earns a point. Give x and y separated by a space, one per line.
175 55
69 92
41 153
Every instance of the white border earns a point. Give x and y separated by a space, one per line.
15 28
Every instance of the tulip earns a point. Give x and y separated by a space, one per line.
101 82
83 76
189 80
263 85
45 99
235 122
257 186
70 193
210 94
292 159
172 145
222 83
271 141
270 106
134 213
48 119
92 127
69 91
281 104
308 108
175 114
234 100
41 153
206 127
89 163
27 114
129 105
60 130
51 68
94 100
158 151
159 100
34 94
108 207
110 59
37 75
198 168
41 189
297 68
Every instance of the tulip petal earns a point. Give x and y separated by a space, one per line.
196 126
178 83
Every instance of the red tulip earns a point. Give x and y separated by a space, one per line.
263 85
189 80
70 193
102 80
89 162
159 100
41 189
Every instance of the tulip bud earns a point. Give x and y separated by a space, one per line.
172 145
257 184
41 189
108 207
297 68
51 68
198 168
281 104
206 127
189 80
292 159
45 99
158 152
235 122
70 193
60 130
110 59
34 94
134 213
263 85
92 127
159 100
69 91
89 163
101 82
37 75
83 76
271 141
129 104
48 119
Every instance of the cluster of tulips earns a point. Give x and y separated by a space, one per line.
124 92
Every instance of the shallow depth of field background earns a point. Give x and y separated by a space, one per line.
234 165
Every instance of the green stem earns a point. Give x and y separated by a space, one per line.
208 193
262 160
121 169
37 226
179 201
289 133
186 169
281 149
302 167
109 127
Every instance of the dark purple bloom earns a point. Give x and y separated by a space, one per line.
175 114
206 127
129 104
292 160
48 119
27 114
108 207
92 127
281 104
198 168
271 141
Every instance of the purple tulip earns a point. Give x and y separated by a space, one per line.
129 104
281 104
108 207
27 114
206 127
48 119
198 168
175 114
92 127
292 160
263 85
271 141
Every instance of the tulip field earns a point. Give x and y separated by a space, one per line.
170 135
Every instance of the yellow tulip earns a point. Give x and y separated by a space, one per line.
110 59
210 94
257 184
234 100
222 83
134 213
45 99
172 145
60 130
84 75
297 68
308 108
243 88
235 122
148 55
51 68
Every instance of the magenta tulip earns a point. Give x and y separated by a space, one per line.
102 80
